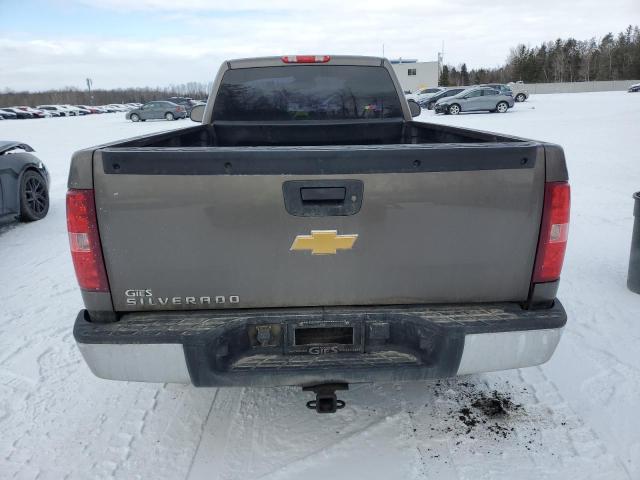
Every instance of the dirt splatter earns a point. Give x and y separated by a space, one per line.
468 418
481 413
496 405
485 406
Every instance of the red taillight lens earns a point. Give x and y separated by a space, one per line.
553 232
306 58
84 241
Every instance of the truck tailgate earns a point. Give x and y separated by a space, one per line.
201 228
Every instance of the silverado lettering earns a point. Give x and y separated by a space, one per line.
153 301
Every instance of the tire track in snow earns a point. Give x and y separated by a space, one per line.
210 457
302 439
584 455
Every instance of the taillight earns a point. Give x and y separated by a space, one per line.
86 252
306 58
553 232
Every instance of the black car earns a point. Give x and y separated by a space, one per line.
430 102
24 183
634 88
7 115
20 114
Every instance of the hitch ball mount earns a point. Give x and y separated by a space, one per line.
326 400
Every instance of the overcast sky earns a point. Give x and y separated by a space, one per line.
119 43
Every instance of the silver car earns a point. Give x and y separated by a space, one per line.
157 110
520 94
474 100
424 93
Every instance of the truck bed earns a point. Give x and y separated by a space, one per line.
248 134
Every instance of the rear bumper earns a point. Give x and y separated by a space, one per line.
222 348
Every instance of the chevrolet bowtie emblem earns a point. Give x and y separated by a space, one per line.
324 242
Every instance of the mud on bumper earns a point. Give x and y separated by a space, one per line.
275 347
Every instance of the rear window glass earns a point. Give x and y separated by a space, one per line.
307 92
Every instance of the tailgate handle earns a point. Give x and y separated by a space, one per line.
323 194
322 198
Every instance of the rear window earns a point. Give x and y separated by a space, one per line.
307 92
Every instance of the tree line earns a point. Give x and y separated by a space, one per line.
613 57
76 96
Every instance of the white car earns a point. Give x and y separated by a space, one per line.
119 107
424 93
69 112
520 94
64 112
76 111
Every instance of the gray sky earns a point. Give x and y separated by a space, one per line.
118 43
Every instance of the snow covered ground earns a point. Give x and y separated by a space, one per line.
575 417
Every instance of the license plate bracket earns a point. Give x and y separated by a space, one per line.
324 337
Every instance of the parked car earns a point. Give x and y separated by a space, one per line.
109 109
37 113
501 87
430 102
157 110
519 92
424 93
119 107
70 112
254 248
24 183
475 99
75 110
8 115
20 114
63 112
186 102
81 110
634 88
89 109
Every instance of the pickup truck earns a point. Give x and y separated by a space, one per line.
308 232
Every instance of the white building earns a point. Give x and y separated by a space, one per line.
414 75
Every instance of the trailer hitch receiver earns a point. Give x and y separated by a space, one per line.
326 400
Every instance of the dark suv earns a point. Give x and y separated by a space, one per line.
431 101
186 102
502 88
